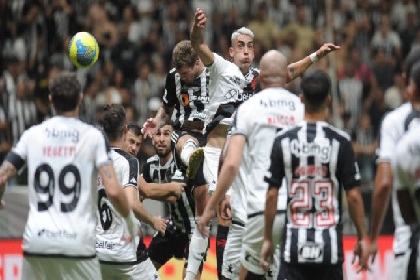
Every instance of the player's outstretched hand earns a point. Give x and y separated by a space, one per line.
267 252
159 225
204 221
150 128
200 18
326 49
361 253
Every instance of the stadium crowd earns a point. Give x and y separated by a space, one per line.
136 40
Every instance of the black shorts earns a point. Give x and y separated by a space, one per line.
163 248
310 271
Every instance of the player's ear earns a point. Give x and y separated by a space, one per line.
231 52
329 100
302 98
79 102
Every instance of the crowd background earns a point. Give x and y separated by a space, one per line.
136 39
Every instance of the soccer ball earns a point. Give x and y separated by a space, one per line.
83 50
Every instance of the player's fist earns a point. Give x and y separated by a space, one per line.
200 18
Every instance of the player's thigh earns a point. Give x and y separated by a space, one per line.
312 271
60 268
232 252
211 166
144 271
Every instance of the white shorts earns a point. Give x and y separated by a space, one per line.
406 247
232 252
252 241
211 166
144 270
60 268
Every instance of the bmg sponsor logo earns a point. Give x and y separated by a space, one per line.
319 150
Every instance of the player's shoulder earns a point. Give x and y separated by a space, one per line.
398 114
123 154
336 132
153 159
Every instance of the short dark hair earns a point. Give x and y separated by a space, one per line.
415 74
113 121
412 57
135 128
315 87
65 90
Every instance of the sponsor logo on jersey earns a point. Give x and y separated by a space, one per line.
244 96
59 234
289 104
311 251
133 181
322 151
198 115
105 245
235 80
73 134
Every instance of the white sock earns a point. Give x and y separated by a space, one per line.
187 149
197 251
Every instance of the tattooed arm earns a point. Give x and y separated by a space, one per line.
296 69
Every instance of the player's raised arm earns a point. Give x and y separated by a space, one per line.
151 126
197 38
297 68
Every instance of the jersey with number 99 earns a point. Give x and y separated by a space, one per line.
63 155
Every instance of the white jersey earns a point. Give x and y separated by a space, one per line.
228 88
277 109
393 128
407 164
63 155
111 225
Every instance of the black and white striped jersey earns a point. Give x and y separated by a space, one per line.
182 211
317 161
190 101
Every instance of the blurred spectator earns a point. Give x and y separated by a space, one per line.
350 89
364 145
399 13
409 33
264 28
88 108
387 40
144 89
21 109
125 54
383 68
304 32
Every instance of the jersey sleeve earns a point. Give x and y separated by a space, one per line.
102 152
240 124
130 177
388 139
146 173
275 173
18 155
347 170
219 65
169 97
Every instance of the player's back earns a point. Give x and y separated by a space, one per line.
63 155
111 225
259 119
318 162
407 164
